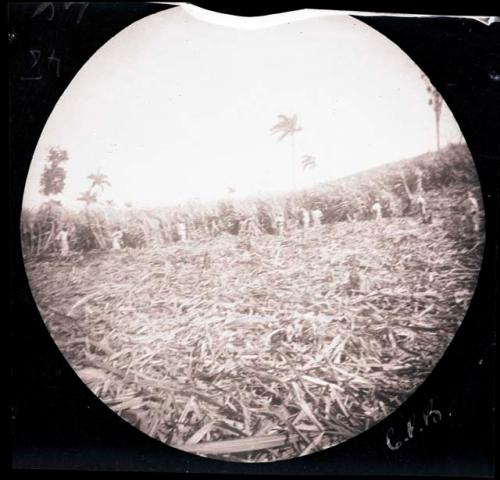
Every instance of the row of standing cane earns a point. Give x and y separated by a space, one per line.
310 218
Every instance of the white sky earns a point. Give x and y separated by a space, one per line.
175 108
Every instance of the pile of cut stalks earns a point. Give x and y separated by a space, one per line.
262 349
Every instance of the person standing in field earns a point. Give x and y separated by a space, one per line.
473 210
377 210
62 238
181 230
306 218
116 239
422 209
418 184
317 217
213 225
279 219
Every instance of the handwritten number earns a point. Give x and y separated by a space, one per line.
37 57
67 5
83 7
35 54
42 7
57 60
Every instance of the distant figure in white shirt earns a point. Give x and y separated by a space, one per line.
116 239
317 216
182 231
279 219
306 218
377 210
213 225
62 237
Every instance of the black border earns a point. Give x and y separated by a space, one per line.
58 425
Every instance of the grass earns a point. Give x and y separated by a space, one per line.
264 351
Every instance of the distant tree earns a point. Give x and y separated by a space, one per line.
99 180
54 174
308 162
88 197
287 126
94 223
435 100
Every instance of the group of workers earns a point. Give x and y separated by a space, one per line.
309 219
63 239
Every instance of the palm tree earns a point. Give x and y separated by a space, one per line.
88 197
308 162
98 181
436 102
94 223
287 126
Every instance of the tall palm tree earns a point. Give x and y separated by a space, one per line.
435 100
98 181
287 126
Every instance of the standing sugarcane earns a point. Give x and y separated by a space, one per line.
288 126
89 198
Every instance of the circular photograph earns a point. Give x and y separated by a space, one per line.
252 239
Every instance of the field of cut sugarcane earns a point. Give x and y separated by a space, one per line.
265 348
